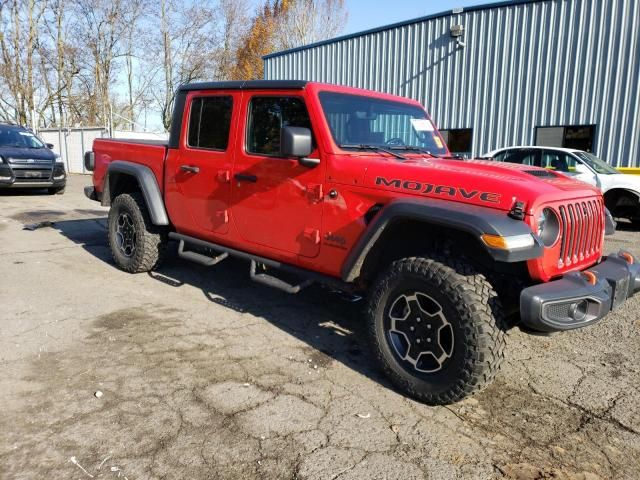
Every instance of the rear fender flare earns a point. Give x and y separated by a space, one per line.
148 186
472 219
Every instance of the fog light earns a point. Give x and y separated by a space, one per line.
578 310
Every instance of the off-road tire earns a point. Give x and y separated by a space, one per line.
151 240
55 190
472 308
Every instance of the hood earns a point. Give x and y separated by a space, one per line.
478 182
26 153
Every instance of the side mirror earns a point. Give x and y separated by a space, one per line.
49 146
297 142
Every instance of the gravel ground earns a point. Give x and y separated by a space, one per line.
204 374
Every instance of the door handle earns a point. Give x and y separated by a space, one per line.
245 177
189 168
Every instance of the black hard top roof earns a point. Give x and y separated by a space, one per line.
244 85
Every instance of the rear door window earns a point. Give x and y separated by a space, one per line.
210 122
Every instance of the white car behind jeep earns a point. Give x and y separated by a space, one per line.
621 191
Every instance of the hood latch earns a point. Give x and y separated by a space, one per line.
517 211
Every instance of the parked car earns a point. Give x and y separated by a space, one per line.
621 191
27 162
356 189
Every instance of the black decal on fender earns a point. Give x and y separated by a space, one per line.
388 183
442 190
490 197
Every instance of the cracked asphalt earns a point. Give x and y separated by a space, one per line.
204 374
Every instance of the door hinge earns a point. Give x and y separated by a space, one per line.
224 176
315 193
313 235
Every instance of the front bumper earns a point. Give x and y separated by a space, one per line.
92 194
579 299
32 176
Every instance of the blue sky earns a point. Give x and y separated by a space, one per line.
366 14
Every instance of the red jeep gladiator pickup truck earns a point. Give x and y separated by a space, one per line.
356 189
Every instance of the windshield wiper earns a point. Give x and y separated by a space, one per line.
413 147
365 146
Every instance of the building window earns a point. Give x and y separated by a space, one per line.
580 137
458 140
210 122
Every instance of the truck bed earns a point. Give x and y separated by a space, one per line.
150 153
162 143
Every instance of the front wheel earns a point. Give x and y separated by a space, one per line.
437 328
55 190
137 245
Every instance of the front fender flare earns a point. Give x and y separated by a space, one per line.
148 185
472 219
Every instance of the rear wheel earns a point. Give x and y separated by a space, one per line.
136 244
437 328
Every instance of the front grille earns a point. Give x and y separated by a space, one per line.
581 226
32 174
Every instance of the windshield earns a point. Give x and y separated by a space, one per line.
15 137
599 165
358 120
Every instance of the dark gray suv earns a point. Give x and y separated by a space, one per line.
27 162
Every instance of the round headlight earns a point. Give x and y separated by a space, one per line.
548 227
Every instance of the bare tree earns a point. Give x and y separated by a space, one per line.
68 62
187 49
58 66
18 48
284 24
134 34
234 21
103 26
308 21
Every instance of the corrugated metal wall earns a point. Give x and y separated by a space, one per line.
527 64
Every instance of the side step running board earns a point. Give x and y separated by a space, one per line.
271 281
199 258
274 282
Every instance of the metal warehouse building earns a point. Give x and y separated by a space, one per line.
545 72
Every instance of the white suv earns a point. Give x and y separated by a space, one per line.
621 191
